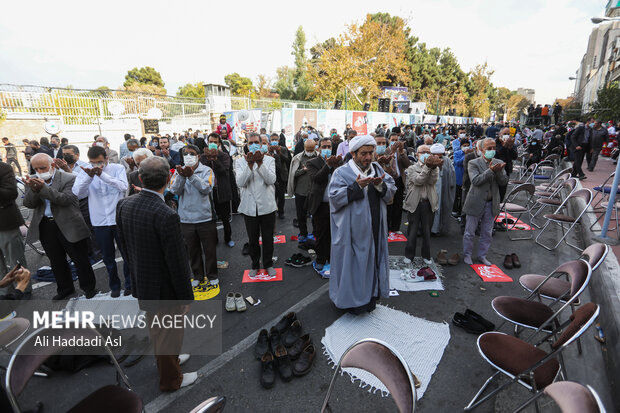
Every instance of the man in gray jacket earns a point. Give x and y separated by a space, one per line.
598 137
483 200
58 223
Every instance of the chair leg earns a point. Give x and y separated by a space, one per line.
542 230
473 402
566 239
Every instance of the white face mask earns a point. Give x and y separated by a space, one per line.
310 154
190 160
45 175
505 137
461 135
100 144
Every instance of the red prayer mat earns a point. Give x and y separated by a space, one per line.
262 276
491 274
277 239
519 226
394 237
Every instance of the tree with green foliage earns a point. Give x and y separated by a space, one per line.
607 105
239 85
285 82
144 75
302 83
192 90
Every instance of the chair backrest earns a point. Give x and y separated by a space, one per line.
581 320
571 184
584 194
29 356
579 273
573 397
213 405
384 362
595 254
527 187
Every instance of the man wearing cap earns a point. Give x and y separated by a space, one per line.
446 190
358 195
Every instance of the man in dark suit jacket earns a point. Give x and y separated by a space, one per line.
58 223
151 240
320 170
578 146
11 243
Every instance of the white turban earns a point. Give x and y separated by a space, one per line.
360 141
438 148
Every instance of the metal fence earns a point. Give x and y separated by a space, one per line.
239 103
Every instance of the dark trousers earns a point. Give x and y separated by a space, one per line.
201 238
592 158
421 218
14 161
322 233
93 248
57 248
260 226
223 212
280 192
167 343
578 155
302 214
105 236
395 211
502 192
458 200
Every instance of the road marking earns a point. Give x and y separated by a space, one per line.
101 264
41 284
165 399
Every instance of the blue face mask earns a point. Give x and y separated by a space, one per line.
213 146
326 153
591 125
534 143
489 154
423 157
264 148
254 147
274 143
380 149
392 143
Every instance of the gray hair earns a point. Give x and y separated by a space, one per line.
142 152
44 156
154 172
133 141
104 139
485 140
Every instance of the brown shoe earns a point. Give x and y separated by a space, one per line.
304 364
442 258
454 259
515 261
508 262
284 363
299 346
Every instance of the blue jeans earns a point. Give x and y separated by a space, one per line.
105 237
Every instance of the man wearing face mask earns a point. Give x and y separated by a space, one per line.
343 148
482 203
507 153
111 154
133 178
56 150
105 184
299 183
193 183
220 162
282 156
128 162
256 176
58 224
421 202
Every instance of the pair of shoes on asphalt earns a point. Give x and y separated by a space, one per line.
284 349
298 260
472 322
235 302
442 258
512 261
467 260
117 293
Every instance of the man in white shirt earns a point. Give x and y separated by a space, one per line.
256 176
105 184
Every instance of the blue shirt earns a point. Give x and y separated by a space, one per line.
48 207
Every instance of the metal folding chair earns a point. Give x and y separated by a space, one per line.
384 362
29 356
544 170
528 365
563 220
555 182
554 199
516 210
526 176
212 405
601 193
571 397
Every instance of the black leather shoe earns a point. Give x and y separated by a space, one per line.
64 296
267 371
285 367
115 293
274 339
127 292
304 364
91 294
516 263
246 249
299 346
488 326
468 324
508 262
262 344
285 322
292 334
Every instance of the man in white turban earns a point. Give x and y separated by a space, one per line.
446 190
358 195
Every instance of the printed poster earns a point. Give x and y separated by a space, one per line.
491 273
360 123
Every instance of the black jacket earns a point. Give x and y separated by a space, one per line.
221 169
507 155
10 217
150 237
319 173
577 137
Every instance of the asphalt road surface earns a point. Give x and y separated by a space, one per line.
235 373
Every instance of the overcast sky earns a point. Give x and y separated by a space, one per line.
529 43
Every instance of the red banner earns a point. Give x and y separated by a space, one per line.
360 123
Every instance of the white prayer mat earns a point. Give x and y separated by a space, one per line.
398 270
104 306
420 342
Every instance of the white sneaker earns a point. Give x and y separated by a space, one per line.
252 273
271 271
428 262
189 379
183 358
214 282
239 302
230 302
406 260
